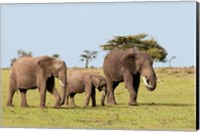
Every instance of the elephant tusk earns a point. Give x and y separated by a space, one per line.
145 82
104 93
62 83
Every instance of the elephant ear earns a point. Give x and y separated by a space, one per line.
128 60
46 64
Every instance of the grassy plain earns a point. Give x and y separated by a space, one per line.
172 106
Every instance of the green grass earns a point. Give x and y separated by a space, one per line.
171 106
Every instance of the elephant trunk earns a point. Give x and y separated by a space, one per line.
63 95
149 78
150 82
63 82
103 96
153 83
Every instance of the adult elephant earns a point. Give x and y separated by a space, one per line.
83 81
127 66
37 72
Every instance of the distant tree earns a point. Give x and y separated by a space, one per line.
56 55
88 56
151 46
170 60
20 53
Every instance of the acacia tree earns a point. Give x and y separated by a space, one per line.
20 53
151 46
88 56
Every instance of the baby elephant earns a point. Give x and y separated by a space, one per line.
82 81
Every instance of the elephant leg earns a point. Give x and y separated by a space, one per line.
93 97
10 97
111 85
72 102
128 80
55 93
23 98
88 93
42 91
67 99
87 100
136 83
12 89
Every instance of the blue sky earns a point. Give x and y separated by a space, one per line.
68 29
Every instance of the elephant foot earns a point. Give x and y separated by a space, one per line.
85 106
57 106
10 105
72 105
111 102
42 106
133 103
24 106
67 105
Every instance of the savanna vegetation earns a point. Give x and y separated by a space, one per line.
172 106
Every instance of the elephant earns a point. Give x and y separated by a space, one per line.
37 72
127 66
84 81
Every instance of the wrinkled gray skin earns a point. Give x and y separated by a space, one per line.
37 72
127 66
83 81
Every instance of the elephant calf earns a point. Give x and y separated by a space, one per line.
82 81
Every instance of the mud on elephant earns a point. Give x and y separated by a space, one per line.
37 72
127 66
83 81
